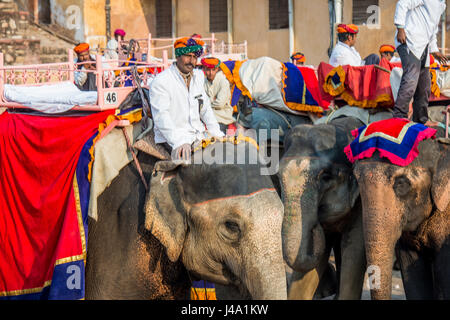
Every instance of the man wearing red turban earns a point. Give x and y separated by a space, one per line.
218 90
119 33
344 53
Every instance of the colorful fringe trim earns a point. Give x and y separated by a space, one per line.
132 116
400 150
335 86
294 105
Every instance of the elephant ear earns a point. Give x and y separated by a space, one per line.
165 215
441 180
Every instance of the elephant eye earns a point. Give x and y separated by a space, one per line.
325 176
402 186
232 226
230 231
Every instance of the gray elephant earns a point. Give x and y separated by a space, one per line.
217 222
322 206
406 211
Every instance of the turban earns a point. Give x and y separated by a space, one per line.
82 47
347 28
387 48
298 56
120 32
211 63
188 45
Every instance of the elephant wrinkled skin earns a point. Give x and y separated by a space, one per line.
406 212
219 222
322 207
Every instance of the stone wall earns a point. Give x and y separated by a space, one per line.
23 42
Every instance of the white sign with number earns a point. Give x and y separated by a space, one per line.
110 97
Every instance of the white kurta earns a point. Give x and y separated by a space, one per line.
420 19
343 55
175 110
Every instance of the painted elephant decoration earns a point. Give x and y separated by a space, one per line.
322 206
217 222
406 211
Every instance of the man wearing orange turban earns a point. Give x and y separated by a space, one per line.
387 51
298 59
85 81
218 90
344 53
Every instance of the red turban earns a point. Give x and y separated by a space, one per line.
387 48
347 28
120 32
210 63
82 47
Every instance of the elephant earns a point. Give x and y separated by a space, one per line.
406 213
199 220
322 205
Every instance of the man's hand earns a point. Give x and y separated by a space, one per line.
89 66
440 57
401 35
183 152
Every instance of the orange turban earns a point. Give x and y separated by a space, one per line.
188 45
81 48
347 28
387 48
298 56
211 63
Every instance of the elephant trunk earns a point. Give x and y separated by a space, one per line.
382 229
303 236
264 271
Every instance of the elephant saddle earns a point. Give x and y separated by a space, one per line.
395 139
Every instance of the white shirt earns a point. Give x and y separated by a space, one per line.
175 110
420 19
343 55
219 94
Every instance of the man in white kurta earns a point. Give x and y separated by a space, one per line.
181 109
344 53
218 90
417 24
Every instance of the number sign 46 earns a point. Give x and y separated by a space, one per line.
110 98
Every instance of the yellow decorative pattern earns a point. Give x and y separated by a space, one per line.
328 85
294 105
203 294
132 116
227 73
381 100
434 87
232 139
237 79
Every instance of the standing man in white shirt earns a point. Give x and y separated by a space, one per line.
417 26
344 53
181 109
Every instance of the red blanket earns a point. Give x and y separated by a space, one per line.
42 196
365 87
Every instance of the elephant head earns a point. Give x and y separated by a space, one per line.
398 199
222 220
318 188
